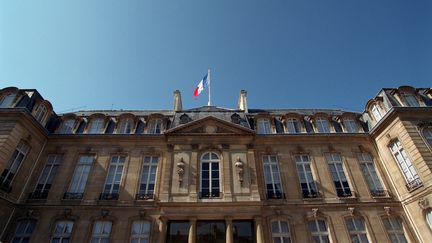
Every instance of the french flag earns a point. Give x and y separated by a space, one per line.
200 87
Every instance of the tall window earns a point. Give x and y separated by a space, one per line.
427 133
14 164
272 177
46 178
411 100
96 126
79 178
318 229
40 113
7 101
350 125
101 232
63 232
376 113
293 125
405 165
280 232
155 126
395 230
112 183
67 126
148 177
322 125
126 126
24 230
210 175
140 232
429 218
357 230
369 172
340 181
264 126
304 171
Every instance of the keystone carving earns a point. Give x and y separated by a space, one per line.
351 211
387 210
423 203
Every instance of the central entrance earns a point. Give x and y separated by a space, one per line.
210 231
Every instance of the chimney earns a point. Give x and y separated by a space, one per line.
242 102
177 101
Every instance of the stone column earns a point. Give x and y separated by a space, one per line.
229 230
192 230
162 229
259 229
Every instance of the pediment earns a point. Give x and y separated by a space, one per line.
209 126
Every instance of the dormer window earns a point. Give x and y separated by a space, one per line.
7 100
126 126
410 100
184 119
264 126
67 126
39 113
293 125
376 113
350 125
322 125
235 118
96 126
427 133
155 126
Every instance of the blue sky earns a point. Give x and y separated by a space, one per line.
287 54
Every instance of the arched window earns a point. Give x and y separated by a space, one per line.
322 125
63 232
96 126
429 218
394 228
350 125
376 112
7 101
210 175
101 231
140 232
280 231
40 113
125 126
293 125
318 230
24 230
264 126
357 229
427 133
155 126
410 100
67 126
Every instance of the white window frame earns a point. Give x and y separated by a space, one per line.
293 125
334 161
118 164
376 112
64 233
322 125
155 126
97 237
67 126
428 217
25 235
304 170
404 162
125 126
40 113
410 100
148 175
274 178
85 162
357 231
51 166
370 173
393 229
210 178
15 163
323 236
350 125
96 126
7 100
144 231
280 234
264 126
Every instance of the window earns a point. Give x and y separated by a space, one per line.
96 126
210 175
79 178
318 229
376 113
148 177
322 125
293 126
405 165
140 232
40 113
369 172
336 168
243 231
304 171
155 126
264 126
395 230
24 230
14 164
210 232
272 177
7 101
429 218
350 125
46 178
280 232
112 183
101 232
357 229
178 231
63 232
410 100
126 126
67 126
427 133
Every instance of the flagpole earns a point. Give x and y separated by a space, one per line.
209 89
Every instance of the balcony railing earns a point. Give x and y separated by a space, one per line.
311 194
6 187
109 196
379 193
209 194
414 184
38 195
73 195
341 193
275 195
144 196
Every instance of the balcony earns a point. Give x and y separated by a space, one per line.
311 194
275 195
379 193
414 184
38 195
144 196
209 195
73 196
109 196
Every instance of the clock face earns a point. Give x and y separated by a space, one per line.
210 129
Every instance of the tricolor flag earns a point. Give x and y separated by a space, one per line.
202 84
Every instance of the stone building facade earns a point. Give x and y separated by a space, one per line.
212 174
